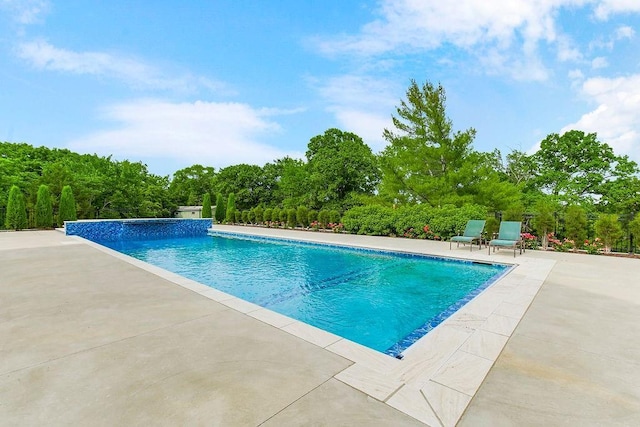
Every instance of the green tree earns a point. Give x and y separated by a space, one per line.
258 214
425 160
287 180
44 208
291 218
67 210
220 208
247 182
16 217
302 216
231 208
206 206
268 215
634 229
188 185
575 224
577 167
608 229
275 215
340 166
544 221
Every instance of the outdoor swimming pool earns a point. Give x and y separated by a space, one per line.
383 300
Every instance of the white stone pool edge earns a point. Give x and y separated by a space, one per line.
440 373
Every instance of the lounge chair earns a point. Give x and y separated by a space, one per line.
508 236
473 231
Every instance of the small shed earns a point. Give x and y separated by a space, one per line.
189 212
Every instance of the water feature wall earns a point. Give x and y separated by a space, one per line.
137 229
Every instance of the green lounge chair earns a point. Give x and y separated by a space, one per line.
508 236
473 231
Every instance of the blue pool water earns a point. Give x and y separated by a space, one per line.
382 300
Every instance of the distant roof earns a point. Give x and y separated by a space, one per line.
189 208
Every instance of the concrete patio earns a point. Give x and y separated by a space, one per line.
90 337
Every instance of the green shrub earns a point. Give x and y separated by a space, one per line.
514 212
312 216
44 208
259 214
252 215
608 230
448 220
238 217
334 216
543 221
634 229
372 220
491 227
302 216
323 218
575 225
268 214
275 215
245 216
206 206
220 208
67 210
284 213
231 208
410 220
16 217
291 218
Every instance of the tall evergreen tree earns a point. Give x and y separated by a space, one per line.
206 205
67 210
16 218
231 208
426 161
220 211
44 208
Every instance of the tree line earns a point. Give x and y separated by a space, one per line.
426 163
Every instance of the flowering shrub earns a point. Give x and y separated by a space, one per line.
429 233
530 241
410 233
336 228
315 225
593 247
561 246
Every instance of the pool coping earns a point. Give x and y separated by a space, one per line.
441 372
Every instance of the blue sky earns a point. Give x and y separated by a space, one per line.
234 81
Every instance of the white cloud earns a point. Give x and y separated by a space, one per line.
604 8
625 32
599 62
216 134
362 105
134 72
25 11
615 119
506 37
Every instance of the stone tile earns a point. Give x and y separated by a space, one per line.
240 305
272 318
411 401
369 381
463 372
336 404
512 310
424 359
311 334
498 324
364 356
485 344
448 404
